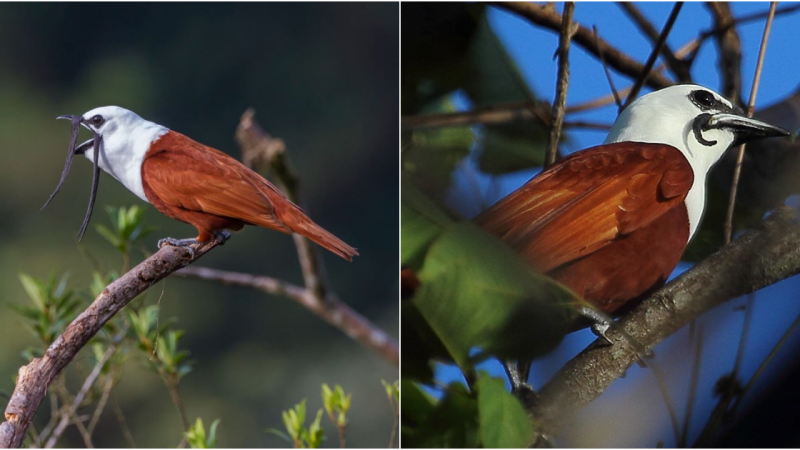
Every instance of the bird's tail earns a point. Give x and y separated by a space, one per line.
304 226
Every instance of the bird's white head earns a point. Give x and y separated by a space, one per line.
697 121
126 138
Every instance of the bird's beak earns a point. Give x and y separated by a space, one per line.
81 149
745 128
68 117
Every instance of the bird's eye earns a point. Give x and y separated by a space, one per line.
703 98
97 120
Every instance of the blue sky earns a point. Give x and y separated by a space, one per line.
774 309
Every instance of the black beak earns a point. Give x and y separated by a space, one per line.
745 128
68 117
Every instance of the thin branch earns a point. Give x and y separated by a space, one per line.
662 40
493 114
35 377
560 102
546 16
756 259
331 310
662 387
737 172
730 50
693 383
609 78
678 67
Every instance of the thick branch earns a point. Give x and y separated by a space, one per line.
332 310
35 377
546 16
755 260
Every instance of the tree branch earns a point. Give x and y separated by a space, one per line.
546 16
560 102
332 310
677 66
757 259
651 60
35 377
730 50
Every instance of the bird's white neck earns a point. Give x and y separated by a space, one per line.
122 154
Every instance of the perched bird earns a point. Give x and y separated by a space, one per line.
612 221
189 181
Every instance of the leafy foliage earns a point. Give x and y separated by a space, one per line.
336 404
52 306
299 435
196 435
127 227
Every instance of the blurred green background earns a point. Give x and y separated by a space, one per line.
322 77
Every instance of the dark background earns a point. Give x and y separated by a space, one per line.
322 77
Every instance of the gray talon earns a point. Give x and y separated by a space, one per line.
185 243
600 324
599 329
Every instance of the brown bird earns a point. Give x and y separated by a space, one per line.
611 222
191 182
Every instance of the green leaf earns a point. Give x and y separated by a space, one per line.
453 422
476 292
34 289
421 221
502 419
430 155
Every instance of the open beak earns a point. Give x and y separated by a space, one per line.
745 128
81 149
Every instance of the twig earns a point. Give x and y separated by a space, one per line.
750 110
560 102
493 114
678 67
126 432
651 60
101 405
35 377
756 259
662 387
693 383
730 50
332 310
609 78
546 16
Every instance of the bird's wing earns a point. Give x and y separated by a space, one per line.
588 200
189 175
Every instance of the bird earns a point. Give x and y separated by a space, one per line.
611 222
189 181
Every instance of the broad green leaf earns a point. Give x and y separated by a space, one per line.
421 221
477 293
502 420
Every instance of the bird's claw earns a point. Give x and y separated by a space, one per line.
600 324
185 243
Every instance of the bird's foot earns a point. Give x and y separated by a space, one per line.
600 324
222 236
185 243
